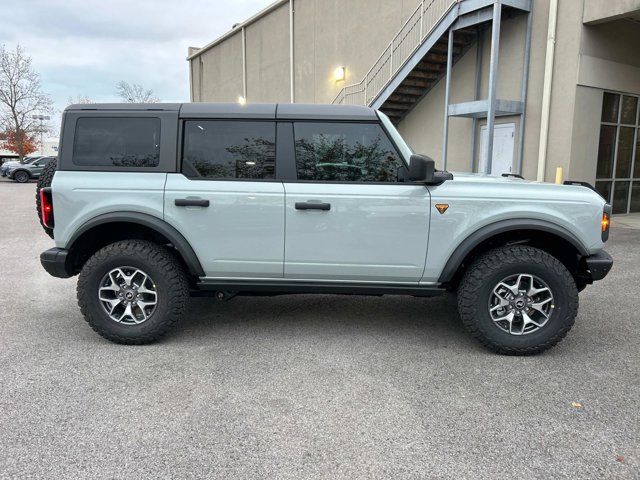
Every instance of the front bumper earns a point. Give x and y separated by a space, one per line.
56 262
598 265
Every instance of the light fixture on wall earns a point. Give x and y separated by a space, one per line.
242 100
339 74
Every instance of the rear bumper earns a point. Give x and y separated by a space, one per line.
598 265
56 262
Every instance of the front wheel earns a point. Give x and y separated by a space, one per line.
21 176
132 291
518 300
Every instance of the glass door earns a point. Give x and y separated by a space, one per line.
618 171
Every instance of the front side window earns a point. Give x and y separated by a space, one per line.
347 152
117 142
219 149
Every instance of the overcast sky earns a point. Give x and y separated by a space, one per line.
84 47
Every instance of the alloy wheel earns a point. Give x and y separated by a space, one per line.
128 295
521 304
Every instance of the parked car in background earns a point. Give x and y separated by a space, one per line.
6 159
25 171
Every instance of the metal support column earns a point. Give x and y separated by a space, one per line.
476 93
292 94
493 80
447 93
525 86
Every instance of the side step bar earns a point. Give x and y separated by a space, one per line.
210 287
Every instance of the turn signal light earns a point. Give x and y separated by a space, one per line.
605 222
46 207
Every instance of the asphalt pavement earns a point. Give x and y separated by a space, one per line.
309 386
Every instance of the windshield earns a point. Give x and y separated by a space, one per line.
405 150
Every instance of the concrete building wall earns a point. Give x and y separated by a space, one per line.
353 33
267 46
218 72
332 33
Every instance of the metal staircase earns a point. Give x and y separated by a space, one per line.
434 37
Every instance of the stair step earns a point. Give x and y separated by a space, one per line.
435 58
423 75
396 106
408 99
416 83
411 90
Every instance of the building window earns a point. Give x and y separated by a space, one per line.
219 149
618 170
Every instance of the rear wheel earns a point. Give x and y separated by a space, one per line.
132 291
45 179
21 176
518 300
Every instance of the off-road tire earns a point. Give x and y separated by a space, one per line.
158 262
488 270
21 176
45 179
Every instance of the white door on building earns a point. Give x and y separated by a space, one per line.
503 143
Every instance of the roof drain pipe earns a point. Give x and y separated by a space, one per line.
546 92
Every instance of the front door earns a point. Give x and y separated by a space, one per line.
503 143
349 216
226 201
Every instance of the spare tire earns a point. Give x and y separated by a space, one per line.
45 179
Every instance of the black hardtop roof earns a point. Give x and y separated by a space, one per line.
284 111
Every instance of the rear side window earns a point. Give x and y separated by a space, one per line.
218 149
117 142
347 152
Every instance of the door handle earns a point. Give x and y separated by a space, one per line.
313 206
191 202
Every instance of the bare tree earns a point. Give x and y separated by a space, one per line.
79 99
135 93
21 97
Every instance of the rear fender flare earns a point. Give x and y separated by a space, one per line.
154 223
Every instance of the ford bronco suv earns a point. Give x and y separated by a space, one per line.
150 204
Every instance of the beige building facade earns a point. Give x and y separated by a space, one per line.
564 76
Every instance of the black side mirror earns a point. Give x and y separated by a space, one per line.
421 169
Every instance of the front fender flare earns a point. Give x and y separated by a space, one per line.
476 238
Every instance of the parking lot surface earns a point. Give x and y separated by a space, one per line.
309 386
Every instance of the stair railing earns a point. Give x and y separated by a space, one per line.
414 31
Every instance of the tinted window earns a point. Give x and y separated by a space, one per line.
349 152
117 142
229 149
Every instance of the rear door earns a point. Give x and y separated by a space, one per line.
349 215
226 201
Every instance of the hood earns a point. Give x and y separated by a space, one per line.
518 188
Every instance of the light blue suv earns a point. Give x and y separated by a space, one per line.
152 203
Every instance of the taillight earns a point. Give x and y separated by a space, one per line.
46 207
606 222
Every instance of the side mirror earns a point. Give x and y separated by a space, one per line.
421 169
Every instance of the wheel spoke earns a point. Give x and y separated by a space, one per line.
519 282
508 317
527 320
538 306
113 303
535 291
